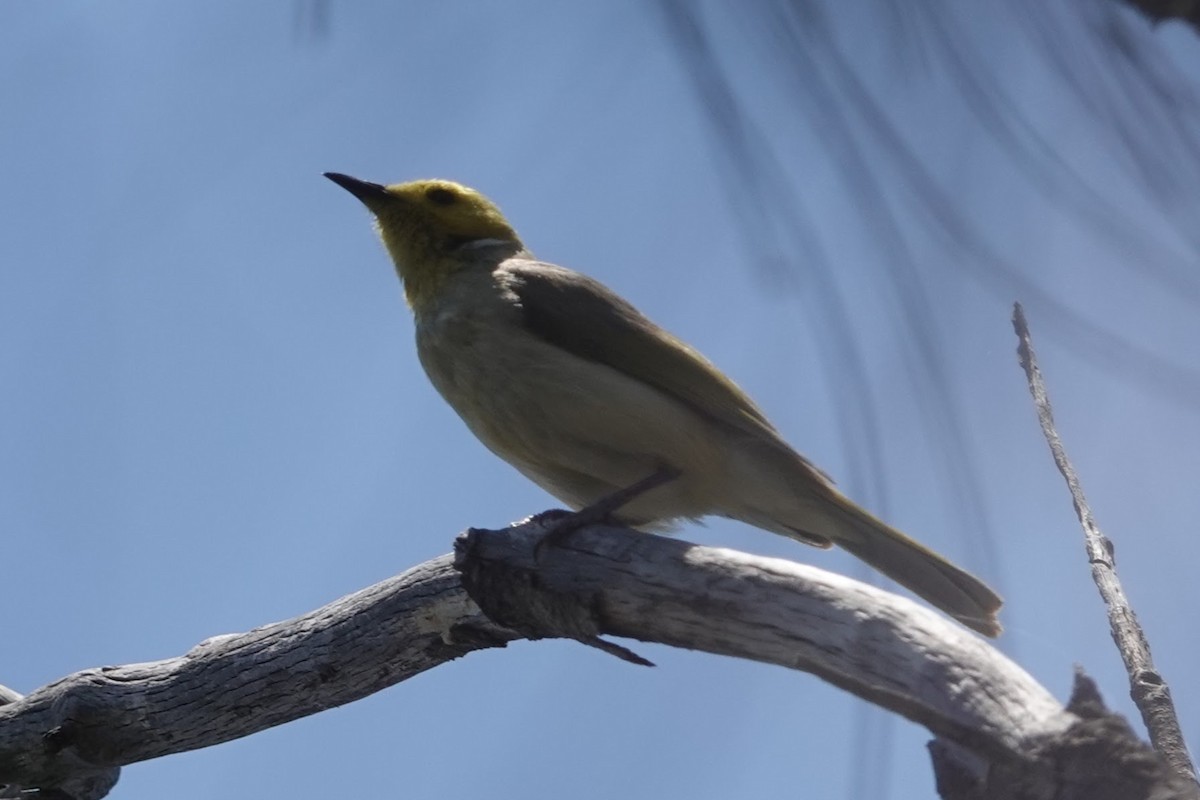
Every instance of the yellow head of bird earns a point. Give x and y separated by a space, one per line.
430 227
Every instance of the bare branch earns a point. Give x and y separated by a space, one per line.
1147 687
90 785
878 645
991 718
234 685
1001 736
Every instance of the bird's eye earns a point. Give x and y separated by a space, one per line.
440 196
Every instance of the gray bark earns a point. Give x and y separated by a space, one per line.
988 716
82 727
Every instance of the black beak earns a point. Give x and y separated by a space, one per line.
363 190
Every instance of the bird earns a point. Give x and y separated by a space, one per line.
582 393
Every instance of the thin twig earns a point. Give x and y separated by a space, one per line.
1149 691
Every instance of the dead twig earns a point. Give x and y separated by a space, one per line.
1147 687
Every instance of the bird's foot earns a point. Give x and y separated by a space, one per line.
548 517
563 524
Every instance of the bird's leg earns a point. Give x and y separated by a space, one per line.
604 508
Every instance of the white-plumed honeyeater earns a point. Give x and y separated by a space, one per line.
584 395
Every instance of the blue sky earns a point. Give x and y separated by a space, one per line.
213 416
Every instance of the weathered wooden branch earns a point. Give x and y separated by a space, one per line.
1147 687
881 646
999 734
85 785
990 718
83 726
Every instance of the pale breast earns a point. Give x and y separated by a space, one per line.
578 428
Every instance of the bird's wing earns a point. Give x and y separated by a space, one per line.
586 318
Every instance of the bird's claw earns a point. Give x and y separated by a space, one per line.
564 523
